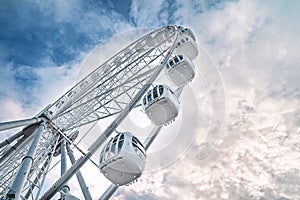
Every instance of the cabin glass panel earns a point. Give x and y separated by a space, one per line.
149 97
161 90
138 146
121 142
155 94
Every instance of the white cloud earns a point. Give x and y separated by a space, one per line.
11 106
149 13
55 81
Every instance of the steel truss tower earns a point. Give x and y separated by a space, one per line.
113 89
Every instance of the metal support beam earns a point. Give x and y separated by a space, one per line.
83 186
12 149
19 181
28 134
109 192
63 167
44 178
36 180
101 139
11 139
18 123
152 136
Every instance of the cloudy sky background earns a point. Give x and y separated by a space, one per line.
254 45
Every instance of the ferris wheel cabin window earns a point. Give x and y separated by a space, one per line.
155 94
136 144
121 142
161 90
149 98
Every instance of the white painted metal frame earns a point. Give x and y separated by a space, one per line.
113 88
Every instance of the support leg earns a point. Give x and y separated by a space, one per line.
65 188
84 188
19 181
18 123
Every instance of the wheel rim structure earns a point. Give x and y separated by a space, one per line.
114 88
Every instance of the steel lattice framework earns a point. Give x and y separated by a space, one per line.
114 88
108 89
12 155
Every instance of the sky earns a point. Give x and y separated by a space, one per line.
253 45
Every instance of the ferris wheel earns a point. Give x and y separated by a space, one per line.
122 83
